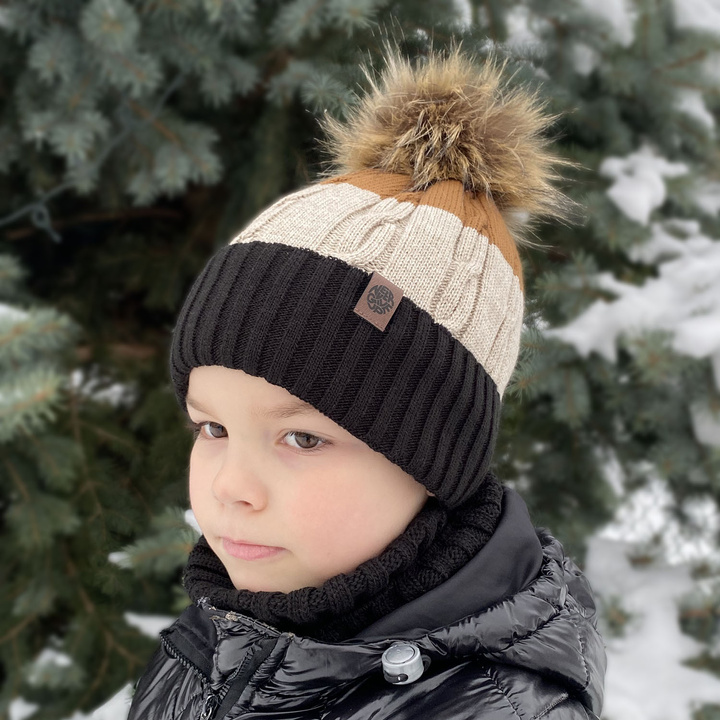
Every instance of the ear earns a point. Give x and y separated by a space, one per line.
430 494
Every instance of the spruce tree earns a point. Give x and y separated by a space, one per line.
137 137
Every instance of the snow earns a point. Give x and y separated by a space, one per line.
12 314
19 709
192 522
645 520
52 657
639 186
684 300
619 14
520 34
464 8
612 470
117 708
54 669
116 394
120 558
692 103
706 423
585 58
46 664
702 15
645 677
149 625
666 241
707 196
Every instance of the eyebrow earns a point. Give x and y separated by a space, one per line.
286 410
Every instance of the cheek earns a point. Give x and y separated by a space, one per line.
194 494
352 519
335 534
322 515
198 487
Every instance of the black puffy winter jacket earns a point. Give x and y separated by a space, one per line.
511 636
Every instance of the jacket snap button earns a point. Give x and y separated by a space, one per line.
402 663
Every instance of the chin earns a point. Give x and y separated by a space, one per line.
256 585
270 585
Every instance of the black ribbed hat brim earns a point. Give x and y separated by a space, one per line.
411 392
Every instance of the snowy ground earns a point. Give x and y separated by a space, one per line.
645 677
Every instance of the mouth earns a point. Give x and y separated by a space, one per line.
249 551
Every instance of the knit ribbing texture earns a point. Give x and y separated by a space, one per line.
435 545
412 392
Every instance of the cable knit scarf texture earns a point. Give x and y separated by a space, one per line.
435 545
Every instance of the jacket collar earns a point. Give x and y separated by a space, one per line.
519 602
485 580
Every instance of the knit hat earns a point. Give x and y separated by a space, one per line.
389 295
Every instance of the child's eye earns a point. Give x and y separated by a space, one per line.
304 441
296 438
197 429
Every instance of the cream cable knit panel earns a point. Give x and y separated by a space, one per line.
451 271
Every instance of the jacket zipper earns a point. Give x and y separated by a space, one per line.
235 684
174 652
211 701
209 706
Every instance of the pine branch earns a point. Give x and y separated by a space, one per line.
100 217
38 209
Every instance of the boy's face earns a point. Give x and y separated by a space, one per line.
284 496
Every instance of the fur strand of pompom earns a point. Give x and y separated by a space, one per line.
452 118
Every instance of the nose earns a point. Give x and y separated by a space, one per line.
237 480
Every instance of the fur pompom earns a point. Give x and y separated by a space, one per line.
451 118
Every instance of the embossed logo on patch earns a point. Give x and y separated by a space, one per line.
379 301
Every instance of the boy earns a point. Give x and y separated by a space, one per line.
342 362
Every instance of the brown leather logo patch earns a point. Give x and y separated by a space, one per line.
379 301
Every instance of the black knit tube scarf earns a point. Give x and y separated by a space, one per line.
435 545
